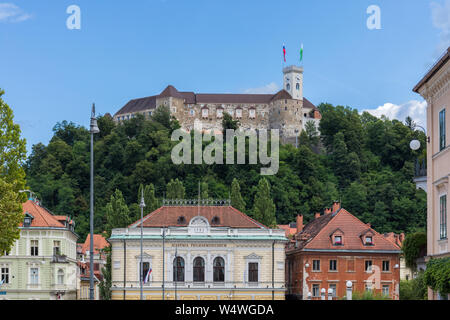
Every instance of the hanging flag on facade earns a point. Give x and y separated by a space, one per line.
147 277
301 53
284 52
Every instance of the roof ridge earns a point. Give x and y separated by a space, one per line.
250 218
323 228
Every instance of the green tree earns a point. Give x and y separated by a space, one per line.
10 216
412 247
264 208
437 275
12 176
117 213
151 202
175 189
236 198
106 283
12 148
228 123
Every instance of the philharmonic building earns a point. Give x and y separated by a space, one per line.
191 252
286 110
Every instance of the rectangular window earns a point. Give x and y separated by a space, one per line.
56 248
368 287
333 265
34 276
316 265
34 248
385 290
368 266
442 140
443 217
4 275
316 290
333 287
253 272
252 113
338 240
386 266
145 269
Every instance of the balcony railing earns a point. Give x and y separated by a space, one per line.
420 169
59 259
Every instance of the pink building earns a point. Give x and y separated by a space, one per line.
435 89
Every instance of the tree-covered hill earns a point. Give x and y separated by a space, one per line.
361 160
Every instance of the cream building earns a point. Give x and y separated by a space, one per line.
435 89
208 252
42 263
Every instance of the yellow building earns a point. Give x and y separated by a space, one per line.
208 252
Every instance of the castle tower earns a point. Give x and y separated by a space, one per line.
293 81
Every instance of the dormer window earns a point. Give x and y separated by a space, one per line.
215 220
205 113
219 113
27 220
337 237
181 220
338 241
368 241
239 113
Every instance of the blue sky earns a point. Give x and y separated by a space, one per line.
132 49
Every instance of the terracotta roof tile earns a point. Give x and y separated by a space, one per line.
99 243
41 217
169 216
316 234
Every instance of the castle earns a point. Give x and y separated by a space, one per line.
287 110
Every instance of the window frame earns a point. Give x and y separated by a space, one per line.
253 274
443 217
315 288
335 265
34 249
198 271
219 271
384 263
34 277
370 269
4 275
179 274
314 269
383 291
442 130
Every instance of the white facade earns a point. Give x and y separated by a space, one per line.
293 81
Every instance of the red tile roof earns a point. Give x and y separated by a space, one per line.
99 243
317 234
227 217
288 230
41 217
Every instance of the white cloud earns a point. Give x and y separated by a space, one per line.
440 14
417 110
9 12
269 88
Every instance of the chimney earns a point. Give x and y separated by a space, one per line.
317 215
328 211
336 206
299 223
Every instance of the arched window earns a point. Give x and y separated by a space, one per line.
219 270
178 269
60 276
199 269
288 87
297 86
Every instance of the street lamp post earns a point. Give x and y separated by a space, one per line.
415 144
142 206
94 129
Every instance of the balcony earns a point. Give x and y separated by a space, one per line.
420 174
59 259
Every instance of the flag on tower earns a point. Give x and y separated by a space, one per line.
284 52
301 53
